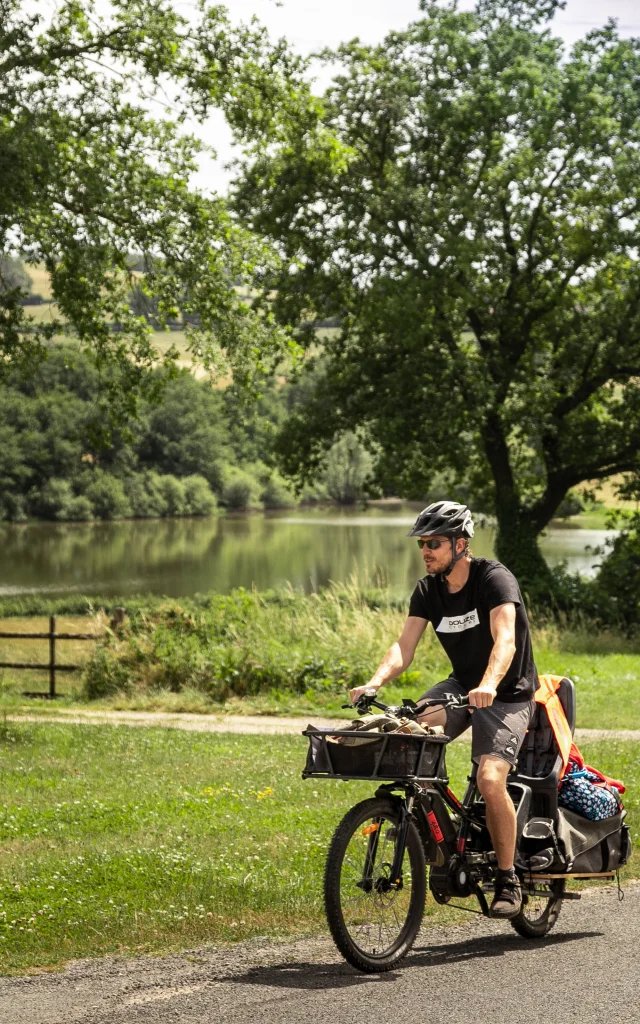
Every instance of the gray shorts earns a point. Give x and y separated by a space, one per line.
499 729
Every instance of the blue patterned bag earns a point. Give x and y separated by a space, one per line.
579 793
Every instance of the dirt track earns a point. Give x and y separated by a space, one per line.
265 724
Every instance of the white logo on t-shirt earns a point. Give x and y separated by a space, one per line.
456 623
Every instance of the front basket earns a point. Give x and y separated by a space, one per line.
395 756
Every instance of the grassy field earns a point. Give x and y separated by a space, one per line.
116 840
302 656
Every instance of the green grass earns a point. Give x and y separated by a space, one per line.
113 840
117 840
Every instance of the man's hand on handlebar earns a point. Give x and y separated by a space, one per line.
482 697
357 691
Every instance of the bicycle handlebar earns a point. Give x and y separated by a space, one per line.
408 708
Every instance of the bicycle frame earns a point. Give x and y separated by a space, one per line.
432 806
461 872
454 833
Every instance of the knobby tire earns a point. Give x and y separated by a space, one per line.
334 896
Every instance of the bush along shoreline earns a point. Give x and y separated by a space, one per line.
283 651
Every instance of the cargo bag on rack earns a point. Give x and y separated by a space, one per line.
593 847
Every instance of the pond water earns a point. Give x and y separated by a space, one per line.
178 557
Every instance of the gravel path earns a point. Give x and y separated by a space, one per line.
248 724
479 972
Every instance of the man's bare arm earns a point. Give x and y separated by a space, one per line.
503 630
397 659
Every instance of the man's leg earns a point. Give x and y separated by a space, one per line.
454 721
501 814
501 822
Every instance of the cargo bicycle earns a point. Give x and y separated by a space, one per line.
376 880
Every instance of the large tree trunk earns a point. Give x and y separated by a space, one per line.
517 548
516 541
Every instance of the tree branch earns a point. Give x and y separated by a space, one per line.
510 246
499 458
559 483
535 216
36 60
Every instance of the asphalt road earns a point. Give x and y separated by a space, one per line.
585 972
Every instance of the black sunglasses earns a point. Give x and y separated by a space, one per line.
432 545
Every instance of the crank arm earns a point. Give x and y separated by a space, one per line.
551 895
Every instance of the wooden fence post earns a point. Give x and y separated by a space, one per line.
52 656
118 617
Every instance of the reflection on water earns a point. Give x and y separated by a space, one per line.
185 556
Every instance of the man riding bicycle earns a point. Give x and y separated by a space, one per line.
478 614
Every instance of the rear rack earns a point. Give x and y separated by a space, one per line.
386 756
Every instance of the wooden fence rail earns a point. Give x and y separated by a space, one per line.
51 666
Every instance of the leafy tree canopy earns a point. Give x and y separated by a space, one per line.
467 201
89 176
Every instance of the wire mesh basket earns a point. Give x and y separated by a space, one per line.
393 756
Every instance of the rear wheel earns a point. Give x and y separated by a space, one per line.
539 913
374 919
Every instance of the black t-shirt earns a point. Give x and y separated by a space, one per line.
462 625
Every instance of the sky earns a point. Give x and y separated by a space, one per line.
310 25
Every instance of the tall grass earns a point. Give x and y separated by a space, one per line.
284 651
246 644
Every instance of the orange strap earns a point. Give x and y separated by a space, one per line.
547 695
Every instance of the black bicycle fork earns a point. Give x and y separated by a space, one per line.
394 880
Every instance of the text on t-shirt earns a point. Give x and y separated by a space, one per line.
456 623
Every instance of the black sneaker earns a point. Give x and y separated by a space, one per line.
507 901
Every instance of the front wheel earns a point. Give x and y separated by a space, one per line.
374 919
540 913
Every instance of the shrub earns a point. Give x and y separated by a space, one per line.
13 508
79 510
57 501
618 582
241 490
348 466
200 499
241 644
53 499
106 675
276 493
144 495
173 494
107 495
313 492
156 494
